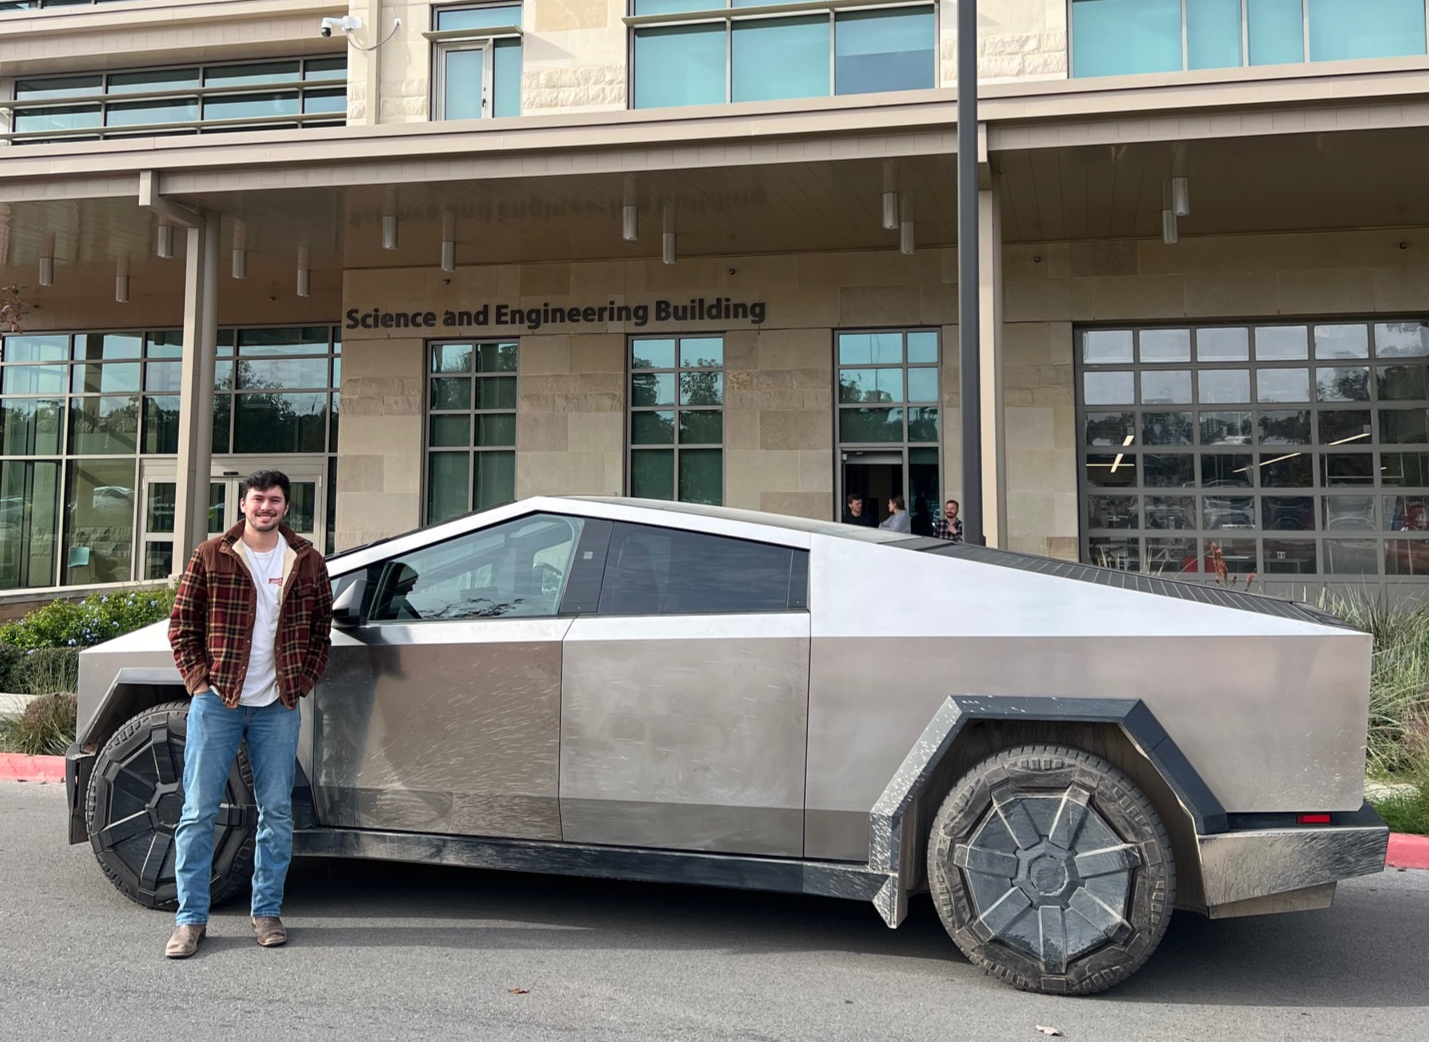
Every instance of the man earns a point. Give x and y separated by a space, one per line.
897 519
855 515
949 526
250 633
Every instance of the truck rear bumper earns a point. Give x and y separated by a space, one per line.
1298 865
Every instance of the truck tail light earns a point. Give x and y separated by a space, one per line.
1312 819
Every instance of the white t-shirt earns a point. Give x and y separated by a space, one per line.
260 686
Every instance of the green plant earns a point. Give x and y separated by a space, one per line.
99 617
1399 682
45 728
12 668
1406 811
52 670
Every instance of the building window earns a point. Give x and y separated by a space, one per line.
1289 451
677 418
1117 37
193 99
888 421
82 415
476 61
693 52
471 427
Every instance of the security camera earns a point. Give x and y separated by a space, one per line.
346 24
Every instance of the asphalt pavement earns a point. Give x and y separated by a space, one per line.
382 951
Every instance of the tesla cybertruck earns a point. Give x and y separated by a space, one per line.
1060 754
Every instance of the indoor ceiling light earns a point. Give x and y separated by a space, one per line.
47 261
890 196
1169 233
629 211
240 250
667 237
165 245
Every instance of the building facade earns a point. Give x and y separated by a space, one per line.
432 257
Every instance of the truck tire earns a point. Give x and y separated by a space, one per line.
1051 870
134 802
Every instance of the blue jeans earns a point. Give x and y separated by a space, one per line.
214 733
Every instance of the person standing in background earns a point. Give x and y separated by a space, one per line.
949 526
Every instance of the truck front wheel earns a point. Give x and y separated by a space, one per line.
135 797
1051 870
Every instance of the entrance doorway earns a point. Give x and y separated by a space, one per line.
308 516
878 474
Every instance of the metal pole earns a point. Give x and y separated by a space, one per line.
969 376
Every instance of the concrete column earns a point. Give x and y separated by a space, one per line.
196 387
994 443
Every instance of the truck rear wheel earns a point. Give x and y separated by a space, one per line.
1051 870
134 802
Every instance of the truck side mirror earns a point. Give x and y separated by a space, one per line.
350 607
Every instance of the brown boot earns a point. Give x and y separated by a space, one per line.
184 941
270 931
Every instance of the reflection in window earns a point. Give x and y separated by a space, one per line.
735 57
677 418
662 571
1122 37
234 96
1278 459
513 570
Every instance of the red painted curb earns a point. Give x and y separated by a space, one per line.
1408 851
18 767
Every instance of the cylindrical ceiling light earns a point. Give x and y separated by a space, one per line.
240 250
305 274
890 196
667 237
389 219
448 242
121 280
165 245
629 212
1181 196
1168 227
906 243
47 261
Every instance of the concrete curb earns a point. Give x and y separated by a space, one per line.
42 769
1404 851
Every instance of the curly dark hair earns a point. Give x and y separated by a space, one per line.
265 479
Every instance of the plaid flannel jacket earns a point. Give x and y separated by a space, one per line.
211 628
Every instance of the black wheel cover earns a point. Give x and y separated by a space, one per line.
135 800
1051 870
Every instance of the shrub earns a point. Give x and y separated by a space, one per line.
12 669
52 670
97 618
45 728
1399 684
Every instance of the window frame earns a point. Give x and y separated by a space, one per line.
1245 62
1320 444
485 38
796 595
441 51
730 15
675 446
429 374
102 99
375 572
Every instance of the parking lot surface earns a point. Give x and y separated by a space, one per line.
384 951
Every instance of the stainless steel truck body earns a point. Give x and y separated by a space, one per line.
654 691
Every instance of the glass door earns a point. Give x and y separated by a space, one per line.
160 490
